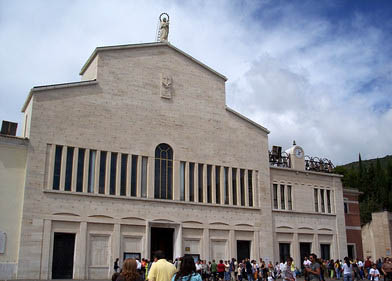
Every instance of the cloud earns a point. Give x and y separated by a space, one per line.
306 70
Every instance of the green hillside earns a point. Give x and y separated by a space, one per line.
373 177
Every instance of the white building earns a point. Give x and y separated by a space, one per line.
144 154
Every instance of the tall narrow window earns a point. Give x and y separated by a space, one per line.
242 186
200 177
316 207
192 182
322 200
250 188
275 195
234 184
182 181
329 200
226 183
102 172
209 184
217 185
123 177
134 175
282 200
113 173
144 176
57 167
163 171
289 200
80 172
68 169
91 171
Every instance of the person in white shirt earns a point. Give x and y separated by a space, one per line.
374 273
347 270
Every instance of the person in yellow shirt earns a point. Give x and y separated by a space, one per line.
161 270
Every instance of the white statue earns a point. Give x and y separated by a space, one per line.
164 27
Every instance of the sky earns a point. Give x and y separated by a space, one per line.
317 72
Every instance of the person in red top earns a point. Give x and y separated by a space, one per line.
367 266
221 269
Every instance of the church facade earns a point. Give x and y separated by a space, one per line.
143 154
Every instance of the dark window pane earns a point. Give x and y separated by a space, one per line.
289 202
134 175
316 208
282 200
68 169
250 188
217 184
234 185
102 172
275 195
242 186
113 173
57 167
192 182
209 189
80 172
200 172
182 181
226 187
124 167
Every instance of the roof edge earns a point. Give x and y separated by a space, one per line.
141 45
56 86
265 130
307 172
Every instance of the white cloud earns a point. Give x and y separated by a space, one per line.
323 83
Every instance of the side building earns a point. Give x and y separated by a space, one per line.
307 206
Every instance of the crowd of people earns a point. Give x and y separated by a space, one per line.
312 269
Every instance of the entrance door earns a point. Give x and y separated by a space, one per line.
304 249
284 251
243 250
63 255
162 239
325 251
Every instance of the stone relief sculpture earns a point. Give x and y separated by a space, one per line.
166 86
164 27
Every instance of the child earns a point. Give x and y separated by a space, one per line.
374 273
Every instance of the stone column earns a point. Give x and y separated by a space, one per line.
316 245
81 254
116 243
150 178
196 183
46 250
186 179
96 178
238 182
230 180
147 240
296 253
176 180
205 183
178 249
232 244
206 244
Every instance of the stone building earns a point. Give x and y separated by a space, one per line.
353 223
144 154
377 236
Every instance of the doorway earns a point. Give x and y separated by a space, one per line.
162 239
284 251
243 250
304 249
63 255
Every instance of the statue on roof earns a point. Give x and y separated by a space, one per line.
164 27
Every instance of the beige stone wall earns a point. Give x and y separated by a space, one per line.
12 175
303 223
124 113
377 237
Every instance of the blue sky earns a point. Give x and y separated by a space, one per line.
318 72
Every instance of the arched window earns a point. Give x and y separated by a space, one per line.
163 172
